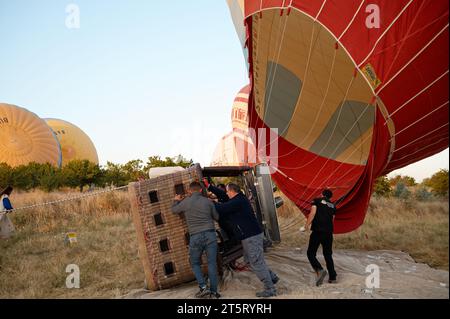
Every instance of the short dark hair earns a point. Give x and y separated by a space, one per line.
327 193
234 187
7 191
195 186
221 186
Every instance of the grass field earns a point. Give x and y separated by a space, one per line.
419 228
33 262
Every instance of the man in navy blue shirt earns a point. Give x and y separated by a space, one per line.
224 221
240 212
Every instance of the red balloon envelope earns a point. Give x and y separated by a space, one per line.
355 89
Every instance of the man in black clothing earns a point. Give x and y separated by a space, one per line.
220 191
224 221
321 220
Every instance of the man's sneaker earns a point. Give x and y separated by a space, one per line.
204 291
266 293
332 281
275 279
214 295
320 277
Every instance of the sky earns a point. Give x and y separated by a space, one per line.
139 77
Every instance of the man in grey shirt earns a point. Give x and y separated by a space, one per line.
200 214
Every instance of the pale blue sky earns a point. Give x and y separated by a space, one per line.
139 77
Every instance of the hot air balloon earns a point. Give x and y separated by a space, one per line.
355 88
75 144
25 138
236 148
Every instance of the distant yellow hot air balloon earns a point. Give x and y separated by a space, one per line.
25 138
75 144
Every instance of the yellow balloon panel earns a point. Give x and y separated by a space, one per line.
307 88
75 144
25 138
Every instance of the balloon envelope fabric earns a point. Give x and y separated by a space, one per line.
26 138
355 88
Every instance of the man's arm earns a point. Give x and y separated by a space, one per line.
311 217
179 205
220 194
226 208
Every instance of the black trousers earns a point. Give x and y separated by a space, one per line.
326 240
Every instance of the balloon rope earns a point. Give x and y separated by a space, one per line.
351 21
343 161
68 199
413 59
332 133
400 44
417 121
384 33
421 137
420 150
419 93
329 139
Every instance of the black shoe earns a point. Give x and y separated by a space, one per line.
266 293
214 295
202 292
320 277
275 279
332 280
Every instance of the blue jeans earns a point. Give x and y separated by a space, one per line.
198 243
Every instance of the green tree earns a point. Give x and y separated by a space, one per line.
6 175
438 183
51 178
134 170
115 175
22 177
382 187
183 162
80 173
156 161
36 171
406 180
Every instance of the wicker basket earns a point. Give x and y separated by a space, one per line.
163 236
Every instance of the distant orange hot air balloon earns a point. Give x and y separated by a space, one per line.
25 138
355 88
75 144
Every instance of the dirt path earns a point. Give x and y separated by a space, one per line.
400 277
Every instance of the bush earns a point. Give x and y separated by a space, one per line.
438 183
382 187
401 191
423 195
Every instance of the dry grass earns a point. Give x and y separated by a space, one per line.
418 228
33 262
